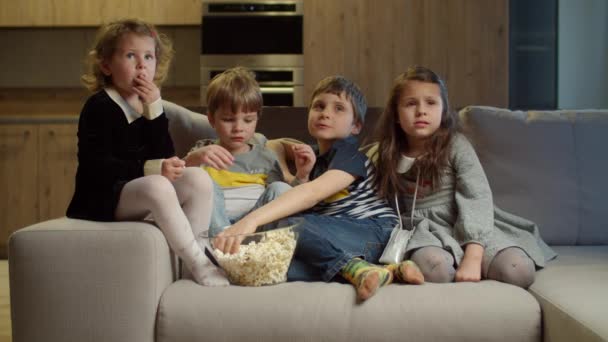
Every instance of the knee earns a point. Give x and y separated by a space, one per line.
518 273
439 270
275 189
436 267
198 179
157 188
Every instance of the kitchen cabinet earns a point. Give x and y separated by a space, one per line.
65 13
371 42
57 161
37 169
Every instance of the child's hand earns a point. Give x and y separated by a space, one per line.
470 266
304 158
173 168
230 239
147 91
212 155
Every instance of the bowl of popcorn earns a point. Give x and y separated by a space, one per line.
262 259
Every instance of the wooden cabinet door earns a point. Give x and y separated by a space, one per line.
57 161
42 13
168 12
18 180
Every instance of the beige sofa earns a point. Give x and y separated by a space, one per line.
74 280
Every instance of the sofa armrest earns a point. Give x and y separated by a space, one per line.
77 280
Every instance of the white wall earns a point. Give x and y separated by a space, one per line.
582 54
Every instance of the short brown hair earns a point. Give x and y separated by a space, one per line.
104 47
236 88
339 84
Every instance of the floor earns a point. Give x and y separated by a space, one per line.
5 308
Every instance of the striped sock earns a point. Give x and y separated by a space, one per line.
367 278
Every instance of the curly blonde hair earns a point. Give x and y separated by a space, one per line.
104 47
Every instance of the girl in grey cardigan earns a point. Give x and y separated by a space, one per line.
460 236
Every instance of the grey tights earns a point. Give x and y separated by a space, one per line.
511 265
436 264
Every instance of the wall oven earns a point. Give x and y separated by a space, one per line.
265 36
280 86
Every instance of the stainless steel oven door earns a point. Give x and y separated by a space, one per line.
279 86
290 96
252 27
283 96
265 76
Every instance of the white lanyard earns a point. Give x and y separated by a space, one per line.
413 204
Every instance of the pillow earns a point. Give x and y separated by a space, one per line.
591 137
531 161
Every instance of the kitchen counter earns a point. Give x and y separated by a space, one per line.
38 119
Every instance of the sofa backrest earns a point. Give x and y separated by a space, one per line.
186 127
548 166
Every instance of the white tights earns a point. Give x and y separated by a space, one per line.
182 210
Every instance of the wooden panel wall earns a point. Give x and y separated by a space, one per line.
465 41
18 180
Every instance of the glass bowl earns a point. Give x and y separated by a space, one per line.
263 257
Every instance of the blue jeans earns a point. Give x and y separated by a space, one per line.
220 220
327 243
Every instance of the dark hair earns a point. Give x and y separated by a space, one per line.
339 84
105 46
237 88
393 141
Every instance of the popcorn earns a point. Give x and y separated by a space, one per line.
260 263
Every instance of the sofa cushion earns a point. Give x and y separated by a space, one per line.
298 311
572 294
545 166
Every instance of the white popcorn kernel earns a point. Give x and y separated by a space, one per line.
262 263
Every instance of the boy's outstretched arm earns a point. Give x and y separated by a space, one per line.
298 199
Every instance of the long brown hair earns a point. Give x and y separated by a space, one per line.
392 141
105 44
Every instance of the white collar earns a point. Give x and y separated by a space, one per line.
130 113
405 163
